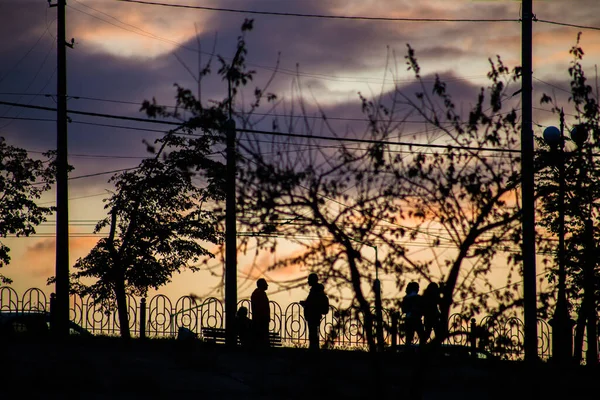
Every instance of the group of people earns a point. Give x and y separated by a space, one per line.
255 332
422 312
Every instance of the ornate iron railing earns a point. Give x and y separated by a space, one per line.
160 317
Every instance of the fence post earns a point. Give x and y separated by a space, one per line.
473 337
394 330
52 312
143 318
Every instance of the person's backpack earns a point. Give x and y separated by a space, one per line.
324 303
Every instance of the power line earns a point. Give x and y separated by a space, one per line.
288 14
183 46
315 137
307 145
92 114
93 155
15 65
76 198
31 83
326 117
384 142
102 173
274 69
133 128
497 289
552 85
29 119
595 28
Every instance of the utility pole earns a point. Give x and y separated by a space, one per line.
230 216
61 305
230 240
527 187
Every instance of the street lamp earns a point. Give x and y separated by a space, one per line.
562 325
579 134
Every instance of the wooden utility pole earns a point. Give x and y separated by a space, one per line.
230 239
61 305
527 187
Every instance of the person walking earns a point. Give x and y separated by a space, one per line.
315 306
261 314
431 311
412 309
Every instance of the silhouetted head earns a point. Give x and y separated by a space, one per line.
242 312
412 287
313 279
262 284
433 287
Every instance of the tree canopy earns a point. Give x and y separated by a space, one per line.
22 181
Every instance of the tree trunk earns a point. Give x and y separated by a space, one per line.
363 303
122 307
591 357
579 333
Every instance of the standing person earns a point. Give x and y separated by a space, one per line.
412 309
315 306
431 311
261 314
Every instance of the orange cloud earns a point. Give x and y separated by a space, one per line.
133 30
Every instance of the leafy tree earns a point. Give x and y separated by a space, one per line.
581 200
22 182
459 199
469 192
158 222
162 212
362 197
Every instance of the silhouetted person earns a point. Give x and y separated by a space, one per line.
412 309
244 327
261 314
314 310
431 312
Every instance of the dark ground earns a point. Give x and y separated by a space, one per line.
106 368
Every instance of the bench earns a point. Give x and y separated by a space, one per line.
217 335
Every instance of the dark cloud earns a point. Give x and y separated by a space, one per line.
323 61
23 21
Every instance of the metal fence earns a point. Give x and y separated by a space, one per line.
161 317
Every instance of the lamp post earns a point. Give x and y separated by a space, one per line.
562 325
580 134
378 306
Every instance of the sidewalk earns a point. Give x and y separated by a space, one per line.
167 370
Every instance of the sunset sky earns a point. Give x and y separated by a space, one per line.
125 53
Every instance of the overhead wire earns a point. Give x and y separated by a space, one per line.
256 131
545 21
353 17
322 16
31 83
286 71
338 17
15 65
321 117
46 31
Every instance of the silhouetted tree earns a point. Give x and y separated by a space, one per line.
162 212
365 194
581 200
158 221
368 192
465 198
22 182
